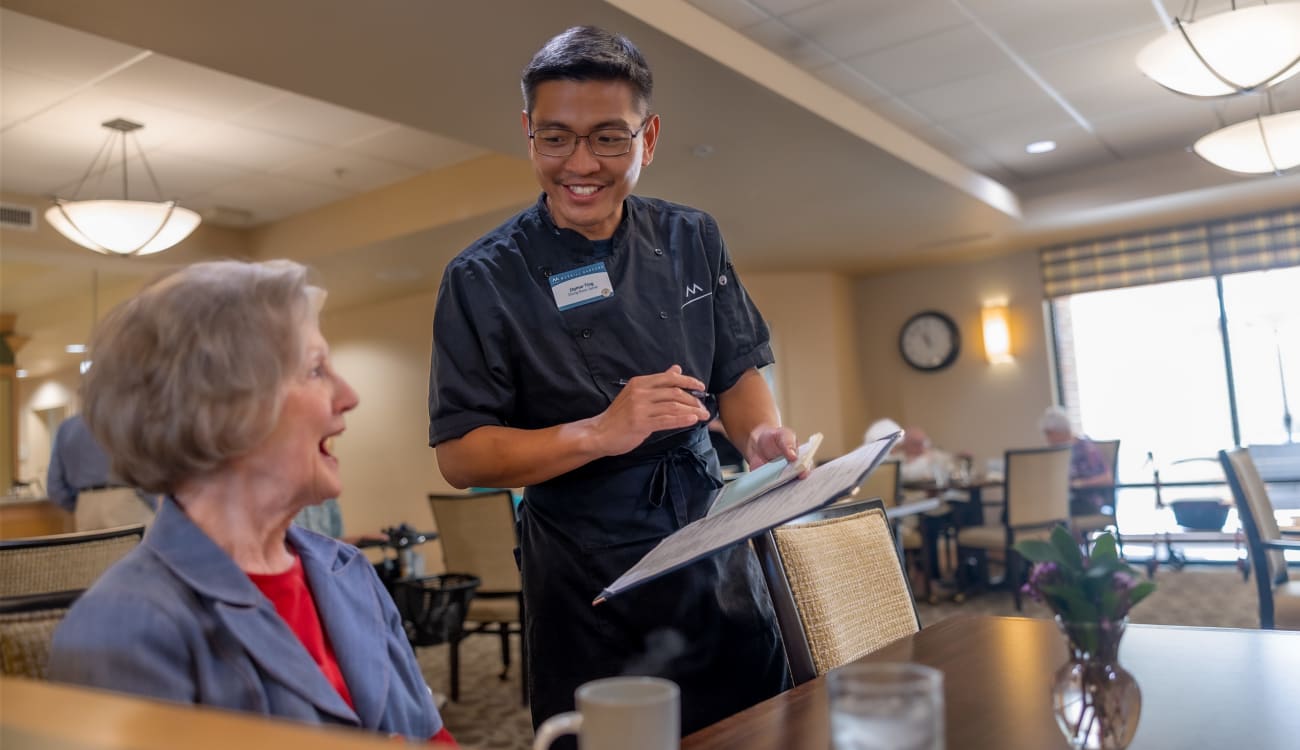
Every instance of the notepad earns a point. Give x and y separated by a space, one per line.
769 476
824 485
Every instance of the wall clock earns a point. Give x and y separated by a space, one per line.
929 341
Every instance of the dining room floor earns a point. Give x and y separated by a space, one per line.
489 714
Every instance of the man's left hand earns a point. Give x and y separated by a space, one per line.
770 443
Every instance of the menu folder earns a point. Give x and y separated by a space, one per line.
834 480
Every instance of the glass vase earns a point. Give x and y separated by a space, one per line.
1096 701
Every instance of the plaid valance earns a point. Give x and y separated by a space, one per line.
1244 243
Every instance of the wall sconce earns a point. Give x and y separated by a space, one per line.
997 333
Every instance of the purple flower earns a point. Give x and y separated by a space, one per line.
1042 574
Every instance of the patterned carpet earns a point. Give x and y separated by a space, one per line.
489 714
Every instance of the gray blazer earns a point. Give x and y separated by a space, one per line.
176 619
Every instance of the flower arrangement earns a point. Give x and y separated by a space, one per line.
1096 701
1082 587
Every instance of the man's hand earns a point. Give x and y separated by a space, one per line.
649 403
769 443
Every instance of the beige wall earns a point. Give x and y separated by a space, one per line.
387 465
810 315
57 392
971 406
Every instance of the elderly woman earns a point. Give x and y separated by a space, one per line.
1088 467
214 387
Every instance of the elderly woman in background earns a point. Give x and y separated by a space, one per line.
1088 467
214 387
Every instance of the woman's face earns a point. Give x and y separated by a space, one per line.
296 454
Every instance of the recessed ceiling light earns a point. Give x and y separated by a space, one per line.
1040 147
21 373
75 348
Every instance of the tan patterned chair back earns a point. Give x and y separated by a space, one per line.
62 562
1255 509
1038 486
27 627
837 585
477 533
882 483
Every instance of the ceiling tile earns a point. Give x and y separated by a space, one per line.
931 61
311 120
851 82
851 28
1032 121
343 170
183 177
267 197
244 148
35 162
23 95
1036 28
416 148
1008 88
1092 64
45 49
735 13
779 38
186 87
1170 125
781 7
67 137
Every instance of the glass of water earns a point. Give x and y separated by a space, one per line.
884 706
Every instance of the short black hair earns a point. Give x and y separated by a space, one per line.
588 53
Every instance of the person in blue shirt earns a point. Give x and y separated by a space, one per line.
567 344
79 481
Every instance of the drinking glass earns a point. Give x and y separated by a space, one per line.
881 706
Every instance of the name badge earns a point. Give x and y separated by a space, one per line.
581 286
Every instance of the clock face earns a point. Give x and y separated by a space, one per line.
929 341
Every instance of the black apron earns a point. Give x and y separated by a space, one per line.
709 627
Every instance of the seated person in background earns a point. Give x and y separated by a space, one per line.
1088 467
214 387
79 481
920 461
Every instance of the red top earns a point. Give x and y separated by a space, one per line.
289 592
292 599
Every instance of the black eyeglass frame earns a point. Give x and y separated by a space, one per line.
632 135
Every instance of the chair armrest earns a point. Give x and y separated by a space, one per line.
1283 544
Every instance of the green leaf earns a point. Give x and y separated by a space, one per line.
1109 603
1070 556
1037 551
1140 592
1103 550
1077 607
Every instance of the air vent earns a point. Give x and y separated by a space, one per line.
17 217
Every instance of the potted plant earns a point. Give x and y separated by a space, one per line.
1091 591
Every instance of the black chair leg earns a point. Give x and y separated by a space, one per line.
523 655
1013 577
505 649
454 663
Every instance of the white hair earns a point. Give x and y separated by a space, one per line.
1055 419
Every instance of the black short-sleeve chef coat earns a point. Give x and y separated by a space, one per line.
505 354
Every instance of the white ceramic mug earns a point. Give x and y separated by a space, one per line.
619 713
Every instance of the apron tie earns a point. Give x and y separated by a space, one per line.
665 479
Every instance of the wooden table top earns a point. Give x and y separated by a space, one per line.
1201 688
46 716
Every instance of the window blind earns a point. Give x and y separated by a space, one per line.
1245 243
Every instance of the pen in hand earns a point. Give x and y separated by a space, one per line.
701 395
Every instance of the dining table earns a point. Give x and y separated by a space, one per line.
38 715
1201 688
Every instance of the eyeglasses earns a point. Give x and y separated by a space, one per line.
602 141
